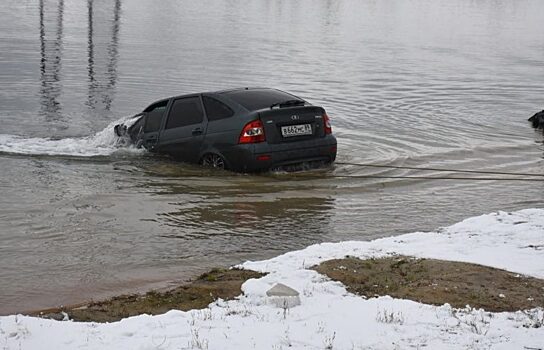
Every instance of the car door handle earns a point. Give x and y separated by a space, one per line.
197 131
150 142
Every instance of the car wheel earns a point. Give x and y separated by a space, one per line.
213 160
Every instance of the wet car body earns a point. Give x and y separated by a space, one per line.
244 130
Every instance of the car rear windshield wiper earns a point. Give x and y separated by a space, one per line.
287 103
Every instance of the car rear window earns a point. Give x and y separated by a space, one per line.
259 98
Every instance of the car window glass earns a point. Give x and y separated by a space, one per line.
185 111
216 110
154 116
259 98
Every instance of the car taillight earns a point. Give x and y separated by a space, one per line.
253 132
327 122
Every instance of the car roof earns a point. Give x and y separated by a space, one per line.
219 92
241 89
214 92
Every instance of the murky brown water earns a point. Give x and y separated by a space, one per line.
419 83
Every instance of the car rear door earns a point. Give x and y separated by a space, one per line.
184 129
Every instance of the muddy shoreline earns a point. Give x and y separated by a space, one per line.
428 281
218 283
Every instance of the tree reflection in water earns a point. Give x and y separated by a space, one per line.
50 60
103 53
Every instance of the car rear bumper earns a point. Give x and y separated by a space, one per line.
263 156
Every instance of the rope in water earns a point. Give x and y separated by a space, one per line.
432 178
520 176
441 169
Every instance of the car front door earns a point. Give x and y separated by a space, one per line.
153 119
184 129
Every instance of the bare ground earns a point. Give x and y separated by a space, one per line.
218 283
427 281
437 282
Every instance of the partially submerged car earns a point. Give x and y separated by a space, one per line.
244 130
538 120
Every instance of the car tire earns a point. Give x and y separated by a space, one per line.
213 160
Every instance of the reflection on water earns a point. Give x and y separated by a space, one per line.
51 59
205 204
287 219
103 30
103 51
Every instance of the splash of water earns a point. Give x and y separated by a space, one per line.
102 143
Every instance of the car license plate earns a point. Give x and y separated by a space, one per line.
296 130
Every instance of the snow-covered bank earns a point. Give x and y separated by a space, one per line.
329 317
